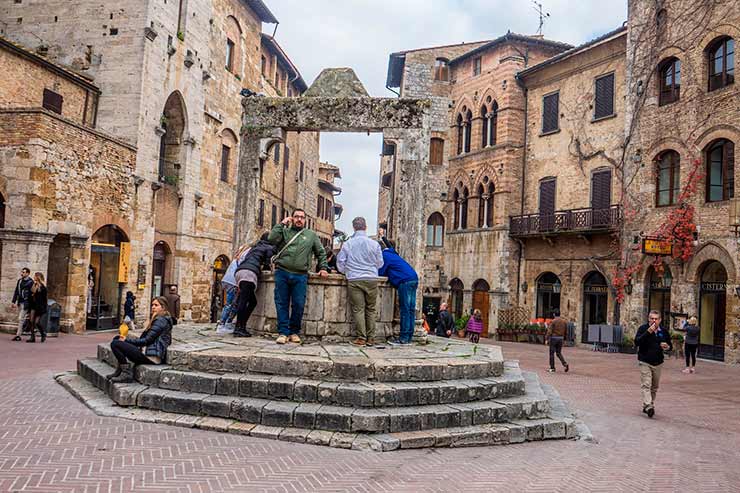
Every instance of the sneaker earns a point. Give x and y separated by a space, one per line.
294 338
693 370
242 333
687 370
17 338
650 412
399 342
359 342
282 339
567 367
551 370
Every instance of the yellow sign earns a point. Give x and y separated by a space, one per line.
123 258
652 246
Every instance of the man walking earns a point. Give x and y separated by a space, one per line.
445 322
22 299
359 260
555 336
651 340
296 245
173 301
403 277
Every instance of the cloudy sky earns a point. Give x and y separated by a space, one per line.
362 33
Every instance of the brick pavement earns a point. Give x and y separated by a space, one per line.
51 442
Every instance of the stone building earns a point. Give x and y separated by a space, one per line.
328 210
683 109
170 77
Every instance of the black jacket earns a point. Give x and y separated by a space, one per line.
129 308
156 338
445 322
648 345
39 300
258 258
22 293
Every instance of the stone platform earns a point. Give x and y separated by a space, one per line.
444 393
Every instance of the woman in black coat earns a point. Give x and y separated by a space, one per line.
155 339
39 300
247 276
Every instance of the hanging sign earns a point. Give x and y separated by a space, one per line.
655 246
123 259
141 276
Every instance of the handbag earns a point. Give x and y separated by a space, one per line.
277 256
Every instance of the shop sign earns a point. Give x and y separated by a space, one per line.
141 276
596 289
655 246
123 261
714 286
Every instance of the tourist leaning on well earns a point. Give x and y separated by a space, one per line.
229 283
247 277
690 343
651 340
155 339
39 302
359 260
403 277
296 246
22 299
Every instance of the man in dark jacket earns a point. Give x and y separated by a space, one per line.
22 299
247 277
445 322
556 333
403 277
173 300
651 340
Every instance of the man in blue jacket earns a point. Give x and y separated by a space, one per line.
402 277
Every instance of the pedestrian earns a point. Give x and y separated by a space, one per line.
39 302
690 343
359 260
555 336
403 277
475 326
296 245
129 309
229 283
247 276
651 340
445 322
22 300
173 302
155 339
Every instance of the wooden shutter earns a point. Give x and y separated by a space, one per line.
286 158
225 155
261 214
52 101
601 189
547 196
604 96
436 151
550 112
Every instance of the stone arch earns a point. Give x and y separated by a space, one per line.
706 253
465 103
488 93
719 31
233 53
723 131
174 123
666 144
100 220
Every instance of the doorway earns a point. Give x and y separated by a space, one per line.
548 295
456 297
108 252
659 294
218 293
160 259
712 311
430 309
481 301
595 302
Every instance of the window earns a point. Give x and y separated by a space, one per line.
435 230
300 171
484 129
489 205
550 112
468 130
604 104
436 151
225 156
320 206
460 134
52 101
277 153
261 214
720 156
461 208
229 55
327 209
485 204
286 158
670 81
263 67
668 178
721 63
490 122
274 216
476 65
441 70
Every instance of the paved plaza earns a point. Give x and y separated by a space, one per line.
49 441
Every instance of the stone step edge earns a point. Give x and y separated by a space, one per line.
316 416
513 432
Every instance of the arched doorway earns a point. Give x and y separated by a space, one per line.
218 293
712 311
173 124
595 302
160 261
548 295
109 256
456 297
481 301
659 293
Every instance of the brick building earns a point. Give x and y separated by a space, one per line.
170 76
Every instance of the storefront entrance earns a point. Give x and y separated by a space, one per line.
430 309
659 294
595 302
109 257
548 295
218 293
481 301
712 311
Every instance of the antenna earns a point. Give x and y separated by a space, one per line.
543 15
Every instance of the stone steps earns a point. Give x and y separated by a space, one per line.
516 431
328 417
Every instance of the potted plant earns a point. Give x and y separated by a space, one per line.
628 344
460 325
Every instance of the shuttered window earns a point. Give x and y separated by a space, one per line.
225 157
261 214
604 104
436 151
550 111
547 196
52 101
601 189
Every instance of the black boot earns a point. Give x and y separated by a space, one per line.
42 331
115 373
242 332
126 376
33 336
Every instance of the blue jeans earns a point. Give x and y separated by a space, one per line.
230 308
407 307
290 292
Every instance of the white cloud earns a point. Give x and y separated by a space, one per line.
362 33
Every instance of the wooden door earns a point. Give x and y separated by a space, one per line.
547 204
480 302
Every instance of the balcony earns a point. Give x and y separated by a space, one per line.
573 221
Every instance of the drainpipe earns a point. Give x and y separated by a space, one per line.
520 243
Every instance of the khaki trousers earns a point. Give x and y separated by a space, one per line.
363 295
649 382
22 317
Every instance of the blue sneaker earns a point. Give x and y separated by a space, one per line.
399 342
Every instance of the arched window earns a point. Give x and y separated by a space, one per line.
441 70
171 149
460 134
493 124
468 129
484 129
485 203
668 178
232 46
435 230
456 216
481 206
228 150
721 58
489 205
670 81
464 208
2 211
456 297
720 156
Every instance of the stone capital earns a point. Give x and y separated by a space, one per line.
25 236
78 241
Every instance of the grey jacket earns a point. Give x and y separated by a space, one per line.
692 334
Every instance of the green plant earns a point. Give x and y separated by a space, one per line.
462 322
181 35
677 337
628 340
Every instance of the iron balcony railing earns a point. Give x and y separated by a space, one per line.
588 220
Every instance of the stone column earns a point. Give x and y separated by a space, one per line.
20 249
74 313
